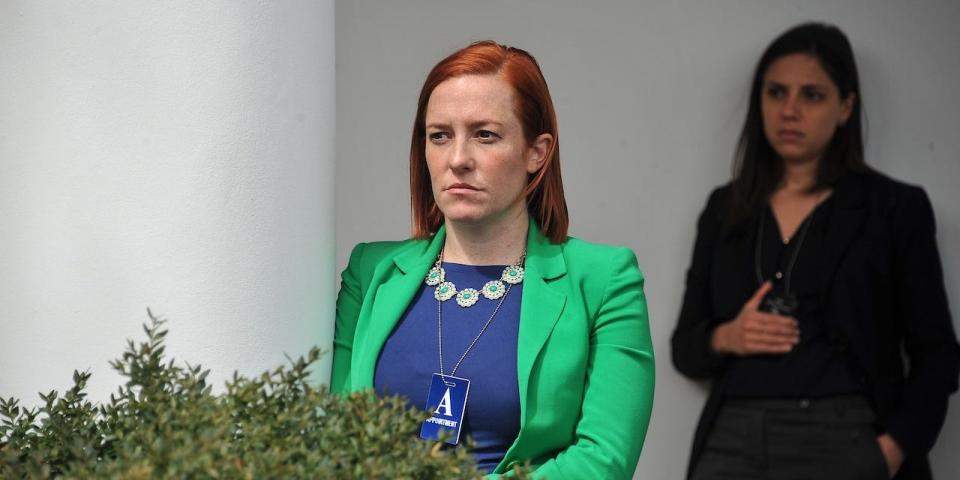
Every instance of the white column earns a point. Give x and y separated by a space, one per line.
172 155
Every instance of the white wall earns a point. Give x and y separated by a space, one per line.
176 155
650 97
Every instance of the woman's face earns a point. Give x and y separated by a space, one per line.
478 157
801 108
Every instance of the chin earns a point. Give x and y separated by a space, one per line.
794 155
463 215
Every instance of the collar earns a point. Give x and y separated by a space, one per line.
543 257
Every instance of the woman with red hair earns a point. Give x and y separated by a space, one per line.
491 318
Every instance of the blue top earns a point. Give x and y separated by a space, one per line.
410 357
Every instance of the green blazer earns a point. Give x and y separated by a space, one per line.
584 356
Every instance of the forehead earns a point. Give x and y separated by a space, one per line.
797 68
471 97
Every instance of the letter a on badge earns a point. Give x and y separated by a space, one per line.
445 405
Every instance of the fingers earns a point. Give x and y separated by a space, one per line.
753 331
754 302
768 322
773 333
768 343
769 333
755 348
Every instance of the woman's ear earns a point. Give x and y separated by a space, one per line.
537 153
846 108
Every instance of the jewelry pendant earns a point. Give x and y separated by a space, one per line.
445 291
512 274
435 276
493 289
467 297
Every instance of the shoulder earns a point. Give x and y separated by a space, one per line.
720 195
582 250
881 182
603 277
898 205
892 195
366 256
594 260
718 202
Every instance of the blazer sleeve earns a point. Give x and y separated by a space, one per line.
929 340
349 300
618 393
690 343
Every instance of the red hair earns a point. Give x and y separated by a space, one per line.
534 108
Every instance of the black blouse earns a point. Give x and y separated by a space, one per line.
815 367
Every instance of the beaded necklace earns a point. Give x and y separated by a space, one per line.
492 290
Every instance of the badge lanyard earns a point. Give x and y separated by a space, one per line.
447 397
787 303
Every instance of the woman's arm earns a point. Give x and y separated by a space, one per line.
618 393
928 336
691 341
349 301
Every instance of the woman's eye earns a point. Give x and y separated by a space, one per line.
813 95
487 135
775 92
438 137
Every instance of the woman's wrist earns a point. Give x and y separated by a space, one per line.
717 337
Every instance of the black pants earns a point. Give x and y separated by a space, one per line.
779 439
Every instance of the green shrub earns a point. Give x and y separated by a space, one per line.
166 423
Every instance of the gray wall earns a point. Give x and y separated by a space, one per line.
650 97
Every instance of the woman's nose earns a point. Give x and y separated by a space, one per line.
461 156
790 107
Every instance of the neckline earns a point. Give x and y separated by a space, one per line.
464 266
787 241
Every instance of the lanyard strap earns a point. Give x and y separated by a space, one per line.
485 325
796 250
475 339
793 255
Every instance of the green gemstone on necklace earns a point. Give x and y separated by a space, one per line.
492 290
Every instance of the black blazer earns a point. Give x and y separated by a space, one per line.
883 295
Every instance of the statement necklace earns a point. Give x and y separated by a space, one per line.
492 290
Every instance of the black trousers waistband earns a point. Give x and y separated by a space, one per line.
792 404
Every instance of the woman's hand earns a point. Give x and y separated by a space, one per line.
753 331
891 453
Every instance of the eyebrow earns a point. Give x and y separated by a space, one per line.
471 125
775 83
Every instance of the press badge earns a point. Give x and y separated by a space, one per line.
446 402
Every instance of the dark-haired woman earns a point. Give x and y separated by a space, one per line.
535 344
811 275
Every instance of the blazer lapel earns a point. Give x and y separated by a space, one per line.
399 280
842 228
540 307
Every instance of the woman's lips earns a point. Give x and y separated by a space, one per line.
462 188
789 135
